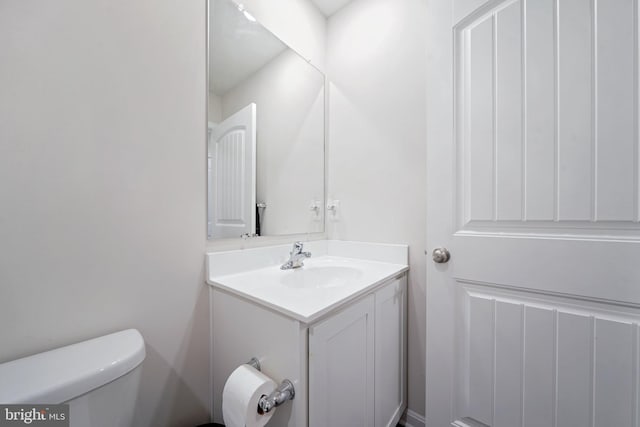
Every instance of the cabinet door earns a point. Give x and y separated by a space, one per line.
390 336
341 368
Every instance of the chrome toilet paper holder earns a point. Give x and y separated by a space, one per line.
285 391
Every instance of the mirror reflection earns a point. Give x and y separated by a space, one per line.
266 131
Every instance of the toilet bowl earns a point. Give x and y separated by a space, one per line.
97 378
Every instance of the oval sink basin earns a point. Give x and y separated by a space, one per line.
320 277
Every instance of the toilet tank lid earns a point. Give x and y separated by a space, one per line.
59 375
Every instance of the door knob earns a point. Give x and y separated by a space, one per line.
441 255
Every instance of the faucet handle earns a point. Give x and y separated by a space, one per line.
297 247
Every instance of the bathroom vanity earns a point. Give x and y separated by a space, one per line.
335 327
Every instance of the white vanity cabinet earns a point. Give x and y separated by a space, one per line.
357 362
390 352
342 367
352 361
336 328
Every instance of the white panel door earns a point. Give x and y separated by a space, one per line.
390 345
232 176
533 159
341 368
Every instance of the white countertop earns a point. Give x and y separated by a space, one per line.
326 281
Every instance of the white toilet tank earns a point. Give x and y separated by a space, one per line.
98 378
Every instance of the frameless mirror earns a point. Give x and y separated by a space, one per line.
265 131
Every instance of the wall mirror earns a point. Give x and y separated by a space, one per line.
265 131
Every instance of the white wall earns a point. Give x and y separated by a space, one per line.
289 95
376 60
214 109
102 187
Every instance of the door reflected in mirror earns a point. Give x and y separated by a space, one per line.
265 133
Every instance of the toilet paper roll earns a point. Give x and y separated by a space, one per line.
242 391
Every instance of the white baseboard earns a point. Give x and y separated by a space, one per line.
412 419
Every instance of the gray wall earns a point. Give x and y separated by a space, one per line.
102 187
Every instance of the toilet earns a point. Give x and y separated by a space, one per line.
97 378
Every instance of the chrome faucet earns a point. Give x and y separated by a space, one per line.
296 257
